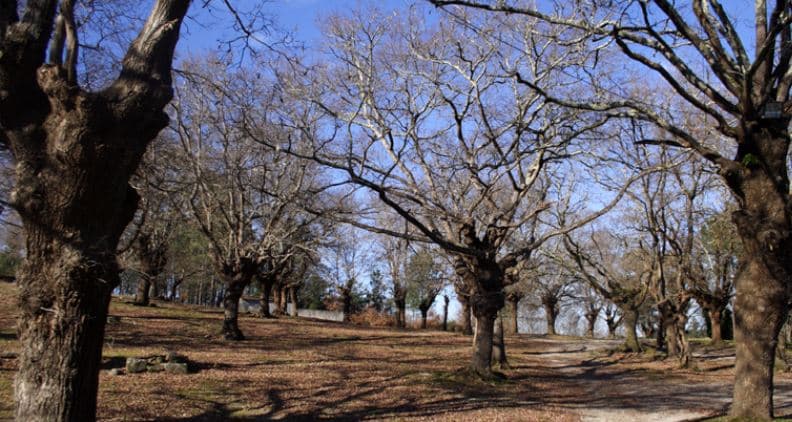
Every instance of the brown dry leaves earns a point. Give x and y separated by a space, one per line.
297 369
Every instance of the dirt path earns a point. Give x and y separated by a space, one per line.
627 388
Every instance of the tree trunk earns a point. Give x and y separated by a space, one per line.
482 345
424 312
760 181
515 302
235 285
445 313
612 326
467 326
284 299
401 305
266 291
346 300
630 320
760 309
142 295
715 317
592 322
499 345
61 335
550 317
293 297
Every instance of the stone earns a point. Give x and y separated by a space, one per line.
135 366
174 357
175 368
155 367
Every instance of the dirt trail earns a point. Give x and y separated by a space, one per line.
634 390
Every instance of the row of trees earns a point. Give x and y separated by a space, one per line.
477 135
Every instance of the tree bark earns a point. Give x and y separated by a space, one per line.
467 326
482 344
499 345
551 311
445 313
75 152
293 297
424 313
142 295
400 300
630 321
233 293
715 326
592 322
515 303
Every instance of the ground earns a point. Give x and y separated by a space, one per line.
297 369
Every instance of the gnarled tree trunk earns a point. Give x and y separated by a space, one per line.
75 152
630 321
235 285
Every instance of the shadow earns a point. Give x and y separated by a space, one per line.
7 336
113 362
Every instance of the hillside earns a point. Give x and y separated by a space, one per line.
297 369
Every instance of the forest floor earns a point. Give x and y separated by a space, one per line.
309 370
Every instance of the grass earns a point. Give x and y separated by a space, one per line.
297 369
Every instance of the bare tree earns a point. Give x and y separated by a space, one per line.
608 265
744 91
246 198
75 151
717 255
440 131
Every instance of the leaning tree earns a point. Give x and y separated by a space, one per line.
741 81
75 150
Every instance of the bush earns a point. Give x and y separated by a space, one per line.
371 318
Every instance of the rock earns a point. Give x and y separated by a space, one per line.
175 368
156 367
116 372
135 366
174 357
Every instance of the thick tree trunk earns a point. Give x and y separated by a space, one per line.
499 345
482 345
61 336
293 297
550 317
760 181
401 306
630 320
236 277
424 313
760 309
143 287
592 322
715 317
467 326
231 297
